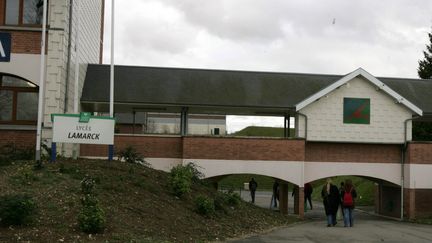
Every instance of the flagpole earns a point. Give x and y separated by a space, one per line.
111 105
76 85
41 88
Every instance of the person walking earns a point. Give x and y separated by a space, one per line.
308 194
331 200
275 193
252 188
348 196
341 190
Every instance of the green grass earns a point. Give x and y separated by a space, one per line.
236 181
364 188
254 131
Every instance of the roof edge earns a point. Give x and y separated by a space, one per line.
370 78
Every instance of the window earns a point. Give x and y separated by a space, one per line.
18 100
24 12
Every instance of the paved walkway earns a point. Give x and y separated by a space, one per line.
367 228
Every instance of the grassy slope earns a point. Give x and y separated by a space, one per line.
137 201
263 132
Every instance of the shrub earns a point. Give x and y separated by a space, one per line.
182 177
233 199
204 205
131 155
91 219
10 152
87 185
25 174
16 210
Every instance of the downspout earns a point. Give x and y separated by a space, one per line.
69 48
404 148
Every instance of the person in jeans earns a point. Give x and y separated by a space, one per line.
331 200
348 196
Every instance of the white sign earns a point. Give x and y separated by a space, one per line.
69 129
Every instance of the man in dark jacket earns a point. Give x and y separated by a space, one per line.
252 188
331 200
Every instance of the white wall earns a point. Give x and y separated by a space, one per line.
418 176
325 116
31 62
57 57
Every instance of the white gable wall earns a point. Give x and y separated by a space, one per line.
325 116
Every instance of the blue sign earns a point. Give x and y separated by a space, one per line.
5 47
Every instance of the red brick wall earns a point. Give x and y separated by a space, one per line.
21 138
419 153
417 203
243 149
2 7
149 146
344 152
27 42
423 202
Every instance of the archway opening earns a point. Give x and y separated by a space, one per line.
374 196
271 193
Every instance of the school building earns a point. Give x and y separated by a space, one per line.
353 124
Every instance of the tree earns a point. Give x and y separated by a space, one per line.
422 131
425 66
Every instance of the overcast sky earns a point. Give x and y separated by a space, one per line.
385 37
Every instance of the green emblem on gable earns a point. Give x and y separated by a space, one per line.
356 111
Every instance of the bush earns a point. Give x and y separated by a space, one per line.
91 219
233 199
131 155
25 174
204 205
16 210
87 185
182 177
10 152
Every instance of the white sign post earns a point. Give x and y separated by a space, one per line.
83 129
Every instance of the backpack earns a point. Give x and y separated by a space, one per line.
348 200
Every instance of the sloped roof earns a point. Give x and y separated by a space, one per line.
367 76
224 88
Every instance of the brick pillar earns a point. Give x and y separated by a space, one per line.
283 198
409 203
296 199
301 202
377 198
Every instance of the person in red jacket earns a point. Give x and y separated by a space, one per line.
348 196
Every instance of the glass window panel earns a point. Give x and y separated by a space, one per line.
27 106
15 82
6 99
12 12
32 11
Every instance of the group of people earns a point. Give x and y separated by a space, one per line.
334 197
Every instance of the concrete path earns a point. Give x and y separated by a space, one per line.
367 228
